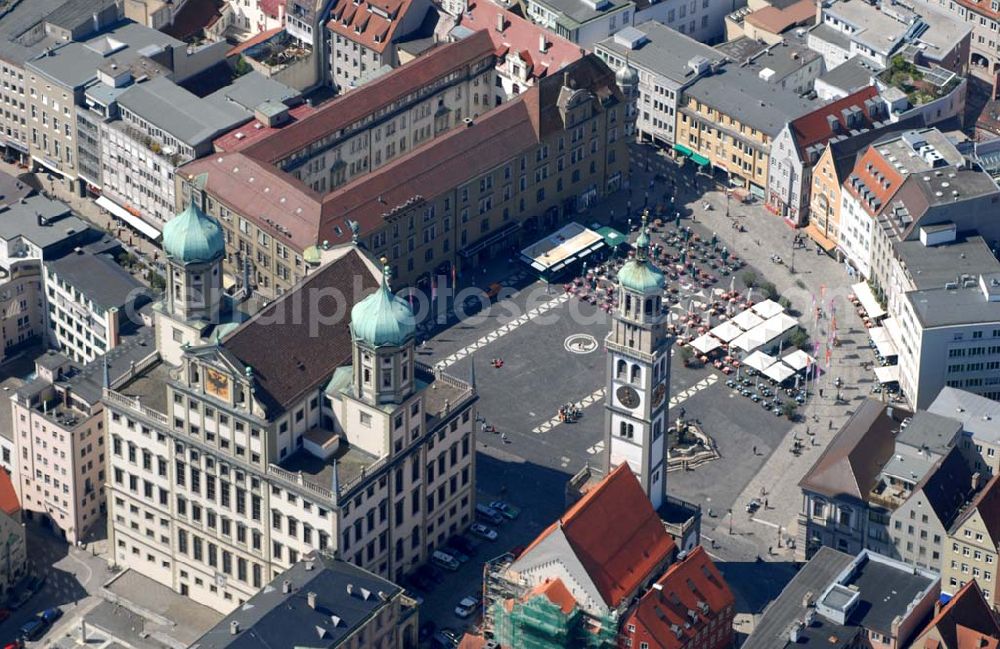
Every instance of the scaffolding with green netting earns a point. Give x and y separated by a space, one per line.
538 623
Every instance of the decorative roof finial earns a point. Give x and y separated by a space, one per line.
642 242
355 230
386 273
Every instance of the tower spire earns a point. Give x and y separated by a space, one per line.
642 242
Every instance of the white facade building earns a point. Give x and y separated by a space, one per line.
638 375
265 442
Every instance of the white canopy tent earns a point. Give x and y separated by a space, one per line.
779 324
746 320
887 374
750 340
779 372
868 301
726 332
133 220
759 361
884 345
767 309
706 343
798 360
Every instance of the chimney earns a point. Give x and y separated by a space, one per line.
309 565
543 46
566 82
350 589
500 24
234 627
937 606
311 599
976 480
95 21
286 587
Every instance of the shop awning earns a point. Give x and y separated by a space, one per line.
887 374
683 150
825 242
884 345
612 238
699 159
868 301
133 220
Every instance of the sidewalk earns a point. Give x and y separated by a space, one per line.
815 277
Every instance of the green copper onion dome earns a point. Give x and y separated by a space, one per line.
383 319
192 237
639 274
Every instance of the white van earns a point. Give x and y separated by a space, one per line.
444 560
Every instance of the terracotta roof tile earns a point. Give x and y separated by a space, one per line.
246 134
814 128
987 503
369 98
967 608
272 7
683 587
972 639
370 23
521 36
557 593
881 179
776 21
615 534
8 497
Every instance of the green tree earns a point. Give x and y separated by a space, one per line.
686 354
789 409
242 67
769 290
156 281
785 303
798 338
749 278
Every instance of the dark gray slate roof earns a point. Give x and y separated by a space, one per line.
272 619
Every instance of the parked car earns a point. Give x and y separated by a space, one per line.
33 629
466 607
445 639
488 514
506 509
445 560
50 615
484 532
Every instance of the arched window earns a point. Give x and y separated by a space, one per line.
368 375
623 429
649 306
628 304
635 374
631 431
622 368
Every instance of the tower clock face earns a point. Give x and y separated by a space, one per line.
627 396
659 392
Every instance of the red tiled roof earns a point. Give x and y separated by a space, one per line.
972 639
813 128
272 7
193 17
883 186
253 40
521 36
615 534
967 608
370 23
369 98
557 593
8 497
682 588
246 134
776 20
432 169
